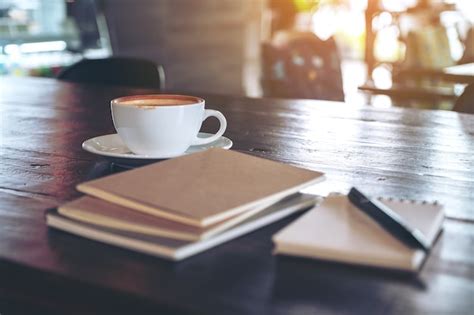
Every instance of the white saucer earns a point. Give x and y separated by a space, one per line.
112 147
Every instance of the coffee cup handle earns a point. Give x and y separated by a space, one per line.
223 125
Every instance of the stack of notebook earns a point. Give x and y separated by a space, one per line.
182 206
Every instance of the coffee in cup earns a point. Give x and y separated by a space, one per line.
162 125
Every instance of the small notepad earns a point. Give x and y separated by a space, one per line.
337 231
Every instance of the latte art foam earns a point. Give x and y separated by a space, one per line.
156 100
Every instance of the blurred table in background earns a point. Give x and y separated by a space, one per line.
428 87
461 74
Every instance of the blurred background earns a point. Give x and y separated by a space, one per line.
411 53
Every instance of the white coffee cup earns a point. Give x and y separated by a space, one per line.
162 125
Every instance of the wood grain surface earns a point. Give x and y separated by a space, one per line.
403 153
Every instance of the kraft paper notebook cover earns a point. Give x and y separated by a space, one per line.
100 212
337 231
175 249
204 188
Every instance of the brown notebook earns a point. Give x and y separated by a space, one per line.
204 188
178 249
109 215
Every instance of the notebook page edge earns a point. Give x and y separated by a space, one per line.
410 263
109 238
105 221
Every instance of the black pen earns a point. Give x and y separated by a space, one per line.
389 220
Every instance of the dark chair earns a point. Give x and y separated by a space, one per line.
465 102
116 71
305 67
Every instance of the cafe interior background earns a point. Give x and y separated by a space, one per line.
376 48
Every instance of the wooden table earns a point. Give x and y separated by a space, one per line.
394 152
